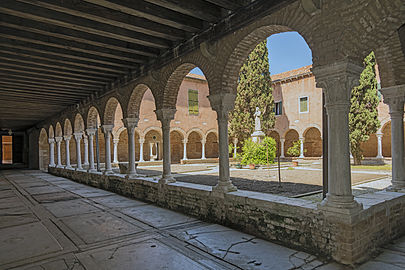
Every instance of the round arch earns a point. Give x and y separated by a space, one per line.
152 149
110 111
290 137
176 145
93 118
197 130
135 100
211 144
312 142
79 123
276 136
194 145
43 150
51 132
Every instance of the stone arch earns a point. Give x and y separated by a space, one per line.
51 132
79 123
176 145
117 133
213 130
386 139
276 136
93 118
211 144
370 147
153 141
58 130
43 150
194 146
135 100
195 129
110 111
67 128
290 137
312 142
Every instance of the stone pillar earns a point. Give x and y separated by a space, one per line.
86 150
141 142
222 103
301 148
78 137
91 133
115 151
166 115
235 145
379 149
282 140
107 129
337 81
51 152
185 149
203 142
58 157
395 96
130 124
67 140
151 151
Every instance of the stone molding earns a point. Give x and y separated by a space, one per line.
394 97
165 114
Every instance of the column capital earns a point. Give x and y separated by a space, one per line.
222 103
165 114
379 135
235 140
91 131
107 128
51 140
58 139
203 141
130 123
116 141
141 140
282 140
85 140
67 138
394 97
78 136
185 140
337 81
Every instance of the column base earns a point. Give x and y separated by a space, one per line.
86 164
167 179
224 187
203 158
397 186
91 170
69 167
60 166
79 169
108 172
340 205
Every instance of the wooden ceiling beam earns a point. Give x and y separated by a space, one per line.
45 85
230 4
50 91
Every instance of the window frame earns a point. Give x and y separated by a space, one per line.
299 104
188 102
275 108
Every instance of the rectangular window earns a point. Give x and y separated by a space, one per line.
303 104
193 102
7 149
278 108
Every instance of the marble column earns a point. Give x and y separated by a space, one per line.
337 80
394 97
91 132
86 150
67 141
165 116
185 149
115 150
51 152
222 103
203 142
141 142
151 144
379 149
58 141
78 138
282 140
301 148
107 130
235 147
130 124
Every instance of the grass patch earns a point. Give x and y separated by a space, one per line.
385 167
290 169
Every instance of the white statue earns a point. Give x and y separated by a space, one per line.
257 120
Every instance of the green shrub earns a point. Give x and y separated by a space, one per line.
295 149
259 153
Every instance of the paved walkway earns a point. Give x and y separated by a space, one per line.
49 222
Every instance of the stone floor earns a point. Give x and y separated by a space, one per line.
49 222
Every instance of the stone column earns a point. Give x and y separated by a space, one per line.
115 151
166 115
107 129
86 150
67 140
337 81
235 145
151 151
78 137
130 124
51 152
222 103
185 149
282 140
379 149
203 142
58 157
395 96
141 142
91 133
301 148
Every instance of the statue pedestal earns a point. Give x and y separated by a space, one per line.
257 136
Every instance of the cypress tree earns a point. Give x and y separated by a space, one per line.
254 90
363 116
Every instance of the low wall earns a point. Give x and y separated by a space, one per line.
293 222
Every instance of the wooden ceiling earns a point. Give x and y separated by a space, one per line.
57 53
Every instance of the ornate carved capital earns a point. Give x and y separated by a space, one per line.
394 97
107 129
67 138
51 141
91 131
165 115
58 139
222 103
130 123
78 136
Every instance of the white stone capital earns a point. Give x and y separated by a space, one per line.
107 128
67 138
116 141
78 136
51 141
58 139
130 123
141 140
91 131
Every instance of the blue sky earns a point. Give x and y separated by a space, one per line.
286 51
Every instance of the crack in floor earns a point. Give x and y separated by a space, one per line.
238 243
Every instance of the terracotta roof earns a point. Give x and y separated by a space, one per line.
196 76
291 73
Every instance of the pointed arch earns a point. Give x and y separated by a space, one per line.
51 132
93 118
79 123
67 127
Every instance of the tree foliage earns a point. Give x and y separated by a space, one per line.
259 153
254 90
363 116
295 149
